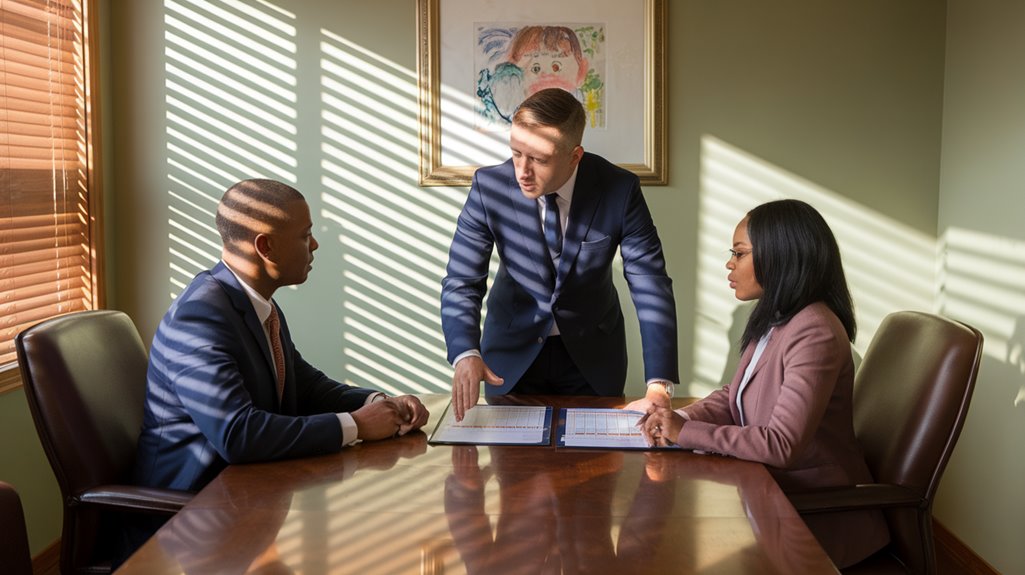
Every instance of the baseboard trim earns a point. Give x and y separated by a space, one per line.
949 547
48 562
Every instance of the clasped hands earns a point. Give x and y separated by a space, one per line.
659 425
390 417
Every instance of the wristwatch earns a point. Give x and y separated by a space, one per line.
666 385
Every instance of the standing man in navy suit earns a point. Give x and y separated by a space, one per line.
214 394
556 215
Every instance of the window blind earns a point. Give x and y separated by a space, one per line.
47 262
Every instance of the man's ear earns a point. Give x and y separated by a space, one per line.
577 154
262 242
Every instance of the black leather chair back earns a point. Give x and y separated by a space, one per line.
85 379
911 397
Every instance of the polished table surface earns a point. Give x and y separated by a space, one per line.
403 506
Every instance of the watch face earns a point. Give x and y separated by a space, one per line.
668 387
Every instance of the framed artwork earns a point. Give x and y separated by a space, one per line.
479 59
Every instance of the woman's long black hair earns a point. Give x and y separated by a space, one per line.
797 262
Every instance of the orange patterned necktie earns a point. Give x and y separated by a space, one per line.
274 328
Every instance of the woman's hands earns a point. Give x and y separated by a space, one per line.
661 426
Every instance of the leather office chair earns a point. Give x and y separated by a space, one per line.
15 557
85 380
911 397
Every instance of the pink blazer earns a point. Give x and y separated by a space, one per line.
797 410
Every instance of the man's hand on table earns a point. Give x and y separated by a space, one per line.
469 372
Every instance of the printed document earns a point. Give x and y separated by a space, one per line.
496 425
605 428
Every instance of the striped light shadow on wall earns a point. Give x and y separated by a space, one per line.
230 70
889 266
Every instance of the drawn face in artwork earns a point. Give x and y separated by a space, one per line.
552 69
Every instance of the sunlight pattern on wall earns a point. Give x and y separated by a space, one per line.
981 283
462 143
394 235
230 71
889 266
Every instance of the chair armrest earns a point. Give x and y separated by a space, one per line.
849 498
135 498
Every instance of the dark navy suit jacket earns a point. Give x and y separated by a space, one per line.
607 213
211 394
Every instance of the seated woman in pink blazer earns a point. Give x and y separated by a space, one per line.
789 404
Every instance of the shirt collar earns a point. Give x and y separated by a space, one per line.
261 305
565 192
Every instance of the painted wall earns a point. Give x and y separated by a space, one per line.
838 103
981 210
24 466
764 103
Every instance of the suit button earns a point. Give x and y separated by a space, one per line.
540 340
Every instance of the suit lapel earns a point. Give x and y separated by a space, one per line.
530 230
583 206
240 300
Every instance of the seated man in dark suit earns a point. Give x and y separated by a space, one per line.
225 382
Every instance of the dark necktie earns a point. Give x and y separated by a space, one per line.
274 328
553 225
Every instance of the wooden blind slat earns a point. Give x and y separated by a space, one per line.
37 12
13 313
41 249
29 64
33 284
21 95
44 108
37 315
16 230
45 263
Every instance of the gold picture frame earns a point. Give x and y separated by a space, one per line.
451 150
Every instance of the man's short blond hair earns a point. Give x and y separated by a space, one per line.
557 108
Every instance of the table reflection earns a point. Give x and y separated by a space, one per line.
195 539
554 517
782 541
246 508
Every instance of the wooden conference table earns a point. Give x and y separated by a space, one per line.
403 506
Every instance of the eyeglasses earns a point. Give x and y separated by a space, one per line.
734 254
